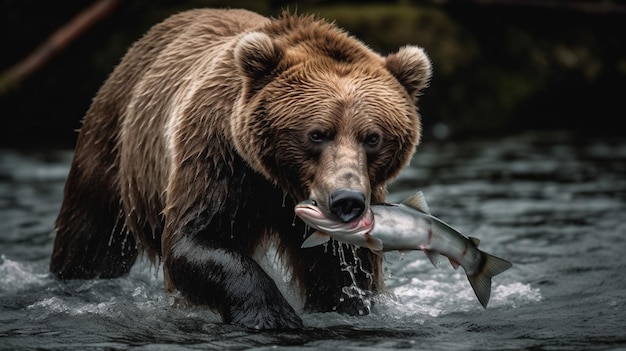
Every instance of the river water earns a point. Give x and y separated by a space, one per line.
553 204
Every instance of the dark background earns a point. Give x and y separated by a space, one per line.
500 67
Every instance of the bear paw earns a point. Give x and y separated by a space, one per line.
273 316
354 306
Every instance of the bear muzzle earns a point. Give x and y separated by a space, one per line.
347 204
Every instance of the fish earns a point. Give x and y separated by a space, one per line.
406 226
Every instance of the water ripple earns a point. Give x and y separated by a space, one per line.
552 204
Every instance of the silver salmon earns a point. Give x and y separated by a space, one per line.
408 226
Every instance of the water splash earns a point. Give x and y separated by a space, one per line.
352 268
16 276
73 307
435 291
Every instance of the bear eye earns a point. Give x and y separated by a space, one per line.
372 140
317 136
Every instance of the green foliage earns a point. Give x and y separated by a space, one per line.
497 69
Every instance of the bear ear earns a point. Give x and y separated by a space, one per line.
256 57
411 67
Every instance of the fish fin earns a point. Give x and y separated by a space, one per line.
433 256
317 238
418 202
475 241
454 263
373 243
481 282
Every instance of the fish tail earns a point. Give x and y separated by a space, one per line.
481 282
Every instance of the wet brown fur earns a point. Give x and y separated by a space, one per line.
197 147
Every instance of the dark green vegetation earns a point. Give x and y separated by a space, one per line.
499 67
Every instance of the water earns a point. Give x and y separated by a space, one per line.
552 204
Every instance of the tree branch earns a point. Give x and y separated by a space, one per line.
58 41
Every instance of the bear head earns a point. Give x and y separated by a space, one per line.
323 116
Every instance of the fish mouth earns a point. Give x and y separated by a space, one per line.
313 216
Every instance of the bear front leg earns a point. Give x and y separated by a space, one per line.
91 238
332 283
232 284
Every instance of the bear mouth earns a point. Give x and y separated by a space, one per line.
314 217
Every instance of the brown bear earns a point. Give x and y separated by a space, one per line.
213 125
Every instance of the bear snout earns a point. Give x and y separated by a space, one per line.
347 204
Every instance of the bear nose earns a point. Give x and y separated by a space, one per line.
346 204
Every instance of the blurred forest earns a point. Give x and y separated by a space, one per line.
500 66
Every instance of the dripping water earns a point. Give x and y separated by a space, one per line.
232 227
284 198
125 240
293 223
353 290
113 231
